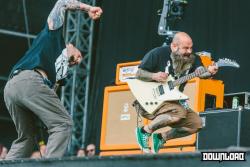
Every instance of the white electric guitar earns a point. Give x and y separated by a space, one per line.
152 95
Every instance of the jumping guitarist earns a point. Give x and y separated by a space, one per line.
177 60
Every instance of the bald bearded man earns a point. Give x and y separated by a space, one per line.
177 60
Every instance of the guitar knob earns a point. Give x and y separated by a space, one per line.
146 103
151 103
156 103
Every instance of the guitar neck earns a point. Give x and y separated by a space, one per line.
198 72
190 76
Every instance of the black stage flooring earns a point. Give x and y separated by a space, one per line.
150 160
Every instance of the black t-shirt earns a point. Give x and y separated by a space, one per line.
157 59
45 49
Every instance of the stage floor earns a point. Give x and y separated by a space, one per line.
150 160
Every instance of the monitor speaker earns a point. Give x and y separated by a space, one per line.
224 128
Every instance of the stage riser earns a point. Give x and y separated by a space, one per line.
169 160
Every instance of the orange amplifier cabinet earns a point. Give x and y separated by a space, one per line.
119 121
197 89
124 71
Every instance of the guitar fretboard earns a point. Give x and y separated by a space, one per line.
184 79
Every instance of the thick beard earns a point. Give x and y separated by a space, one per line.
183 59
182 63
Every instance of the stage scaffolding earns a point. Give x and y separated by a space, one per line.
75 94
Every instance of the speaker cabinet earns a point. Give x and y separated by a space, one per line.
224 128
119 121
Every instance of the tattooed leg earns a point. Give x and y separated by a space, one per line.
160 121
178 133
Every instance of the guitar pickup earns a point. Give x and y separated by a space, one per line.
161 89
170 85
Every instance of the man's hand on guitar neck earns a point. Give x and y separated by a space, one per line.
213 69
160 76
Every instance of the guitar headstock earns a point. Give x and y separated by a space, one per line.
227 62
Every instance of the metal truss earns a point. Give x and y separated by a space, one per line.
74 95
18 34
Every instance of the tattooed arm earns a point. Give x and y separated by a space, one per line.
56 16
144 75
